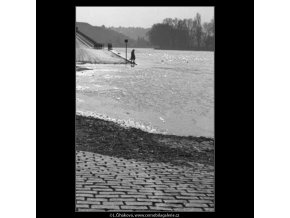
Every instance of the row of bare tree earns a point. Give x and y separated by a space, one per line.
183 34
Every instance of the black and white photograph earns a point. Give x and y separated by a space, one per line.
145 97
142 111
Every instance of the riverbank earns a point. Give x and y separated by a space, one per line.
97 56
109 138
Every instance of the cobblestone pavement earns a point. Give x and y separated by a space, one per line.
105 183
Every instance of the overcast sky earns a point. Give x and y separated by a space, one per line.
138 16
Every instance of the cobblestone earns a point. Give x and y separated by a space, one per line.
134 207
161 208
106 207
105 183
139 203
88 202
124 199
189 209
169 205
114 203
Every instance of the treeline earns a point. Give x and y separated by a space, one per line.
132 32
141 42
187 34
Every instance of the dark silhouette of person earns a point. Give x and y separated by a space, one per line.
133 56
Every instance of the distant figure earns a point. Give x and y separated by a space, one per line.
133 56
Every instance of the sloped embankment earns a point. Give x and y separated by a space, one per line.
94 56
86 54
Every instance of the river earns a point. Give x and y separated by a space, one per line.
170 92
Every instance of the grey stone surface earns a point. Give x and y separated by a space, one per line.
105 183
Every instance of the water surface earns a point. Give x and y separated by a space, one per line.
168 91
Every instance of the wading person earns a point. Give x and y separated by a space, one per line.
133 57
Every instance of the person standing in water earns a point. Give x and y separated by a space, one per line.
133 56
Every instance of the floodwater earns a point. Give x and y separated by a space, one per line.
170 92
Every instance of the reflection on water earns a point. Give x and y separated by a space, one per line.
172 91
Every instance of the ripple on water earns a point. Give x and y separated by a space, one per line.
152 86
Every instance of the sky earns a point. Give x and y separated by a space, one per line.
138 16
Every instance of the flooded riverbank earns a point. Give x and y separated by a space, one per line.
169 92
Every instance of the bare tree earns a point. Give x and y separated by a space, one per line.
198 29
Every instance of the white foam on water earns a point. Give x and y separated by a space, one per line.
85 73
82 88
124 123
79 100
